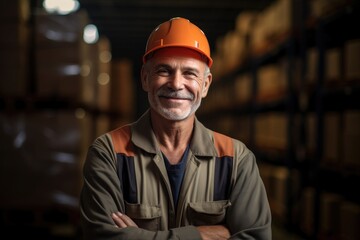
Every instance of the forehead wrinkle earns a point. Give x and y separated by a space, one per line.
175 65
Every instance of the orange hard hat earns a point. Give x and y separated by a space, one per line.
178 32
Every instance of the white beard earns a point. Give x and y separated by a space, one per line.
174 114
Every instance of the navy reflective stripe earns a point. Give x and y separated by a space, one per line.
126 174
223 170
123 147
223 166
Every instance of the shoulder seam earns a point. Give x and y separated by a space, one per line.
224 145
121 139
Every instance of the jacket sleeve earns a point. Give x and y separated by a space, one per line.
101 195
249 216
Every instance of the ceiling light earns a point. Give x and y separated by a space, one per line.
62 7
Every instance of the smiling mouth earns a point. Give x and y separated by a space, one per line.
173 102
174 98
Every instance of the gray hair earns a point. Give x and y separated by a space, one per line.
207 71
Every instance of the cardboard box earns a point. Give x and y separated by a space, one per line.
333 64
272 83
123 88
14 68
279 182
311 74
307 223
42 158
104 78
15 11
349 220
52 30
311 136
235 50
352 59
64 62
330 214
351 139
62 81
243 89
332 138
15 35
245 22
271 131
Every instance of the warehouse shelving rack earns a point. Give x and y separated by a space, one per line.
317 98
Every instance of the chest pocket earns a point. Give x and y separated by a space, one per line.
207 213
145 216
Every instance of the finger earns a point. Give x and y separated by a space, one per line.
128 221
118 221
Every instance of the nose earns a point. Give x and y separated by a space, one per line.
176 81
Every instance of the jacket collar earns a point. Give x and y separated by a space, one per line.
202 143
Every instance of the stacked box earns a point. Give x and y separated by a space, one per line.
42 158
217 67
245 21
280 184
271 131
103 91
307 222
311 74
89 74
227 125
279 192
234 50
320 8
103 125
60 55
311 143
272 83
243 89
215 98
96 73
332 138
351 139
14 48
218 99
273 25
265 171
349 220
329 214
258 38
333 65
123 88
261 130
352 59
15 11
242 129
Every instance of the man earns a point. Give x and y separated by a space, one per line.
166 176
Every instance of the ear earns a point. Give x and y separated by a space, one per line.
207 84
144 77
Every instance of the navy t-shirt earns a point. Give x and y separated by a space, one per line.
176 174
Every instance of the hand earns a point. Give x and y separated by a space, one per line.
123 221
216 232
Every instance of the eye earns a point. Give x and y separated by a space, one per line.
190 74
163 72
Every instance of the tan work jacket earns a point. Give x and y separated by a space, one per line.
125 171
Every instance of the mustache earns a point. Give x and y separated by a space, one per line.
168 93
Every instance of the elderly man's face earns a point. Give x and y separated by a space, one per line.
175 82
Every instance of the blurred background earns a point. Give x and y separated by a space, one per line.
286 83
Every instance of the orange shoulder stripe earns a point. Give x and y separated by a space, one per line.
121 138
224 145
